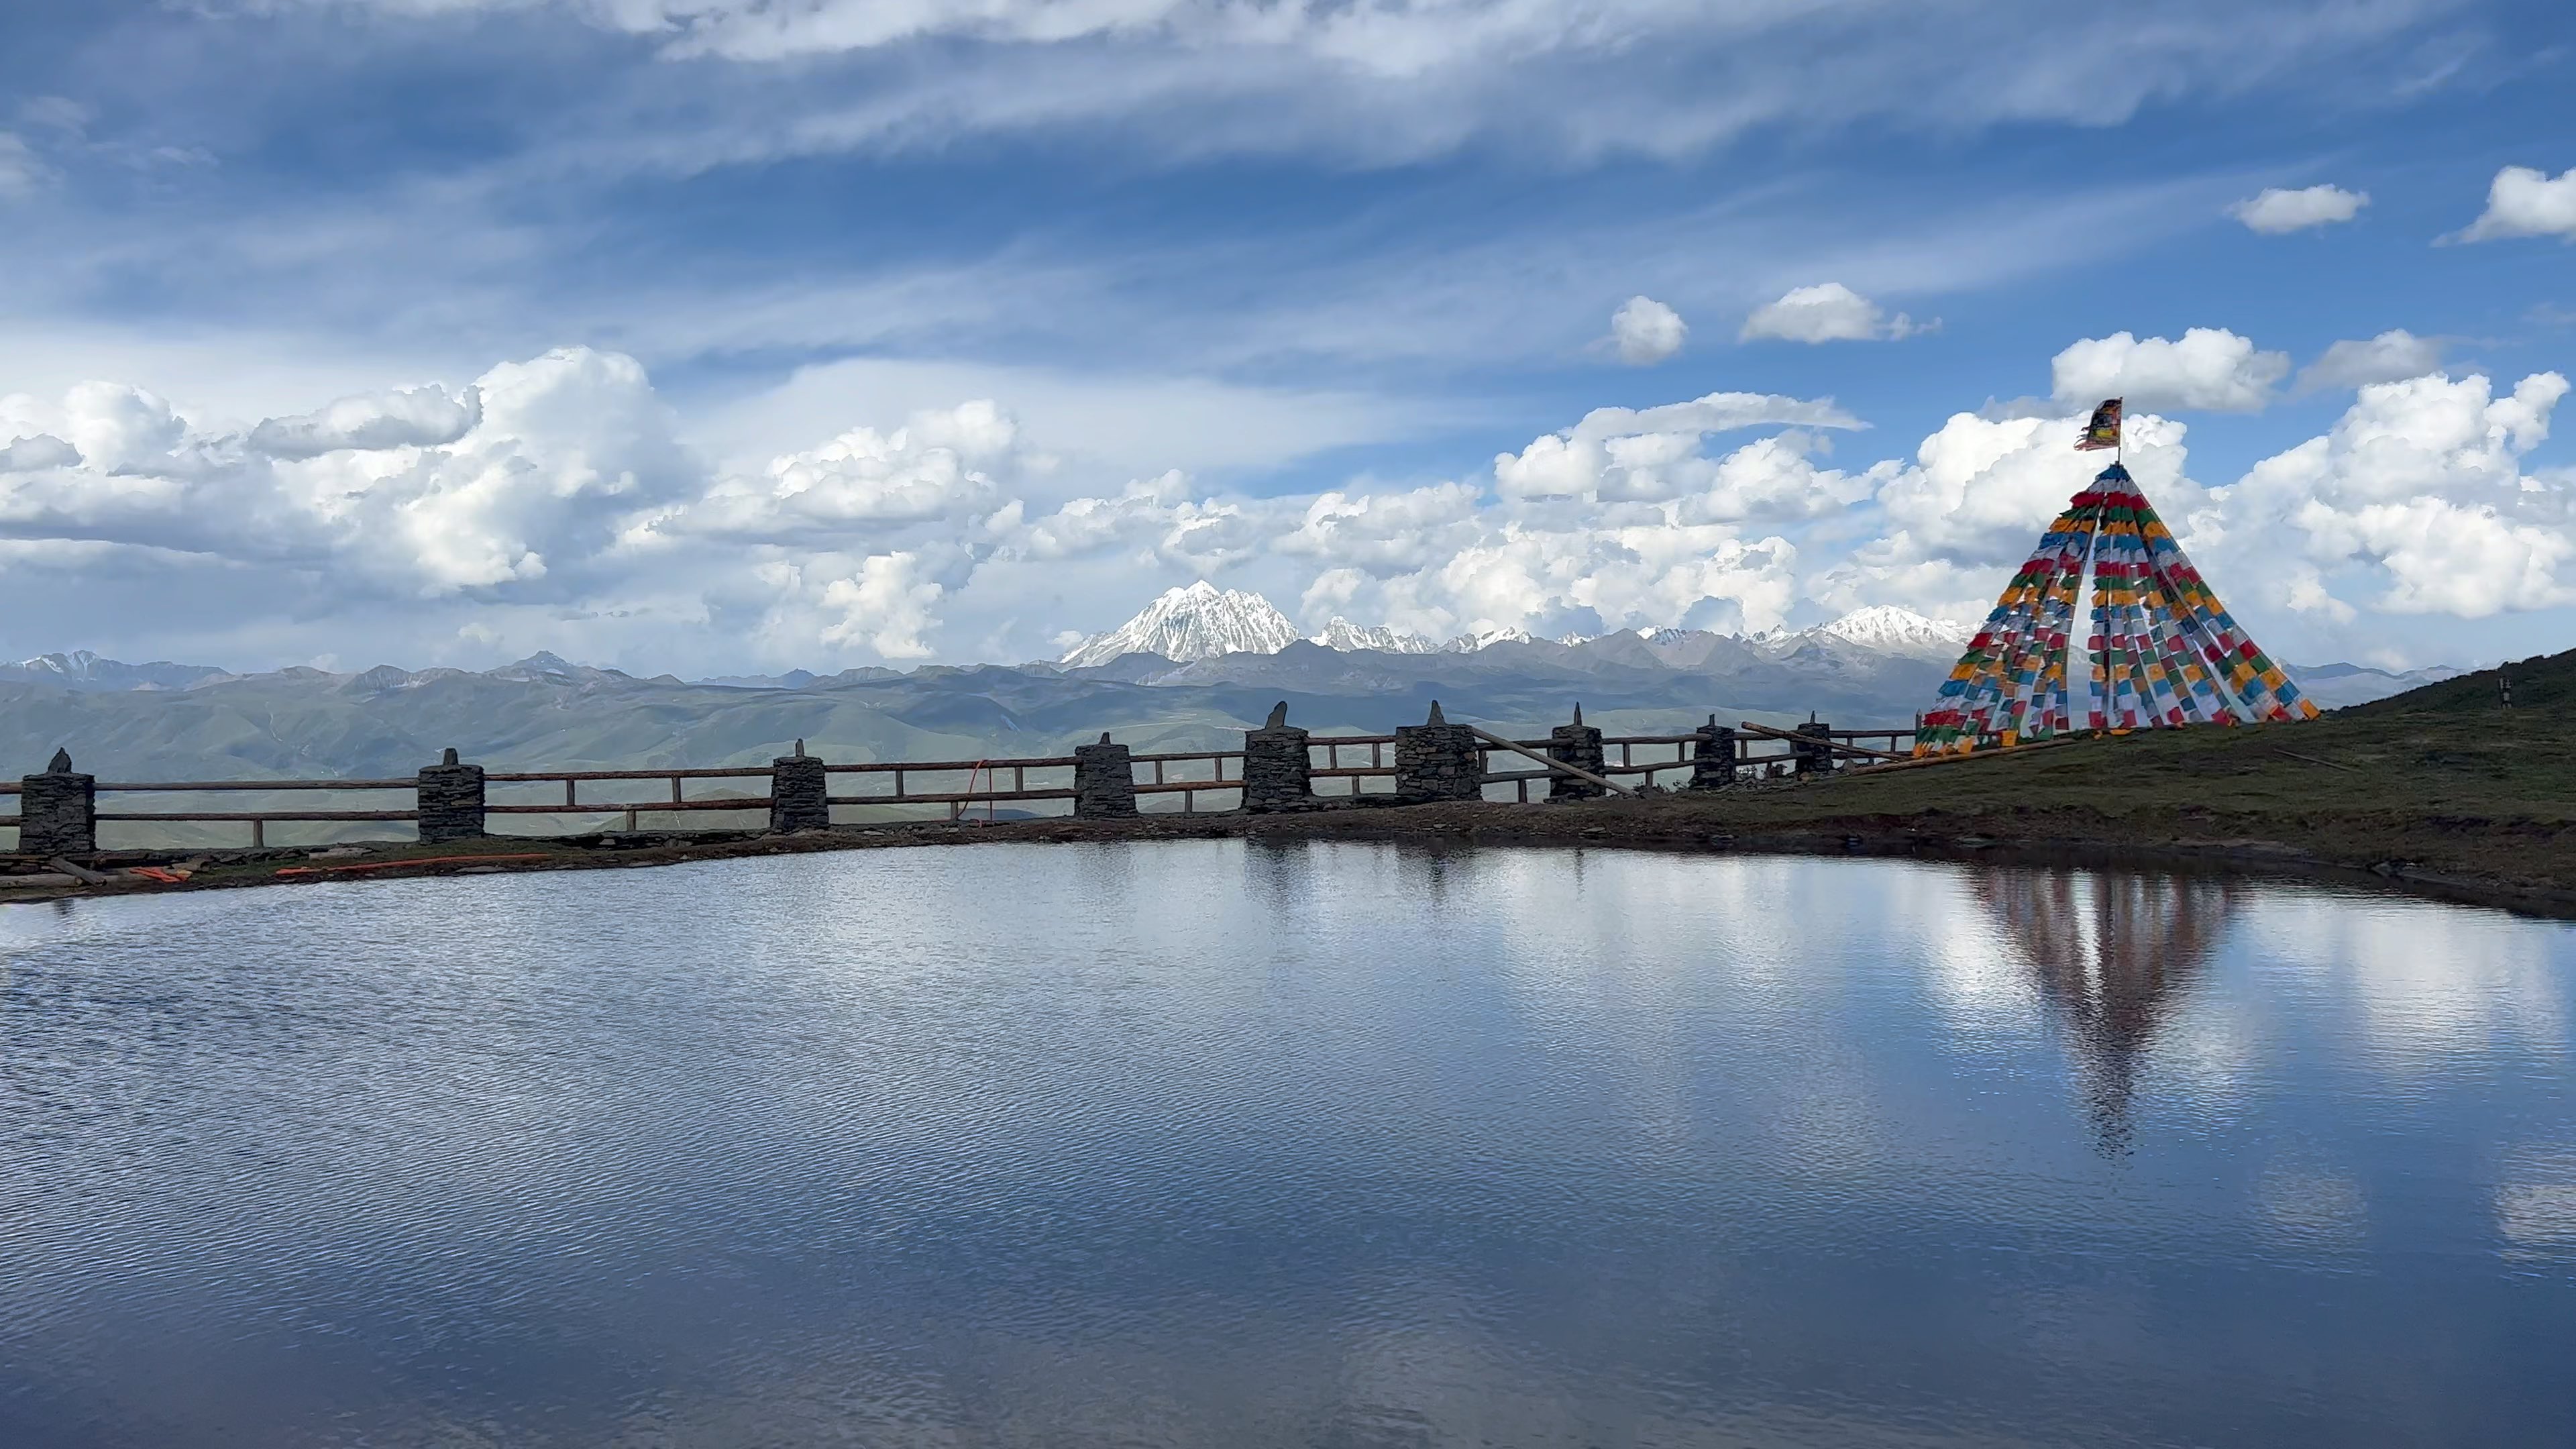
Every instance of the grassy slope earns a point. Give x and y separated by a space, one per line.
2441 778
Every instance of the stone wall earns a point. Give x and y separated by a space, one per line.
58 810
451 800
1104 781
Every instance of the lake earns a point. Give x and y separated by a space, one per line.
1230 1143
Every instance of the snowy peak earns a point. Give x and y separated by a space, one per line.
1193 623
1891 630
1485 638
1344 636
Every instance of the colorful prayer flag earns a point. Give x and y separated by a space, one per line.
2104 430
2162 650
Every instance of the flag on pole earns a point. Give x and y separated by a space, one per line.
2104 430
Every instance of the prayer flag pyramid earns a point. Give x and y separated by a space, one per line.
2163 651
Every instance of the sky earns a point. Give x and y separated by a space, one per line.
713 336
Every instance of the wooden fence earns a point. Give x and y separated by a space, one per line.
956 786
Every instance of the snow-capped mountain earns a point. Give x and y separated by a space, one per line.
1892 630
1483 638
1197 622
1343 635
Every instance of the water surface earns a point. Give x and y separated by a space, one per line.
1339 1144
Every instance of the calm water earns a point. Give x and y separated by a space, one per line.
1224 1144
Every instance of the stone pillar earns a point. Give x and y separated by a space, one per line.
1436 760
1713 757
451 800
1276 766
1104 781
1577 744
800 794
58 810
1813 759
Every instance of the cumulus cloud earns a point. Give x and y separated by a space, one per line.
940 464
1646 331
2276 211
20 170
1827 312
2389 357
2524 201
425 417
2209 368
2421 481
559 495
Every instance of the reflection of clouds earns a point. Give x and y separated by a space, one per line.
2432 983
2536 1198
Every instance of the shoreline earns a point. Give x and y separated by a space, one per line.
2373 858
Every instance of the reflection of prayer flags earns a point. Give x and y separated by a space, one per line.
2104 430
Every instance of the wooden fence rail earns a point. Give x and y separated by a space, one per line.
989 783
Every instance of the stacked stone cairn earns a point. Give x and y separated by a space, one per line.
451 800
1436 760
58 810
1104 781
1712 756
1577 744
800 793
1277 768
1813 759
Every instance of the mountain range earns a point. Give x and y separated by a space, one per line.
1190 671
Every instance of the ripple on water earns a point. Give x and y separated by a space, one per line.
1316 1143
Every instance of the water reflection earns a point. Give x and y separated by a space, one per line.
2113 955
1251 1144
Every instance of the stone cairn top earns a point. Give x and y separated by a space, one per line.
61 764
1278 717
448 758
1436 717
1578 711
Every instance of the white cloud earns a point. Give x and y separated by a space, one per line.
2210 368
1389 81
423 417
885 605
21 172
2389 357
941 464
2421 485
1647 331
1827 312
2276 211
548 505
2524 201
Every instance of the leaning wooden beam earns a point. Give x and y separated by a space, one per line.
1498 742
1819 740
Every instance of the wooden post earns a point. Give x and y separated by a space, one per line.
259 835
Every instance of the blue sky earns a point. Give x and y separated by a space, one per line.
831 332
